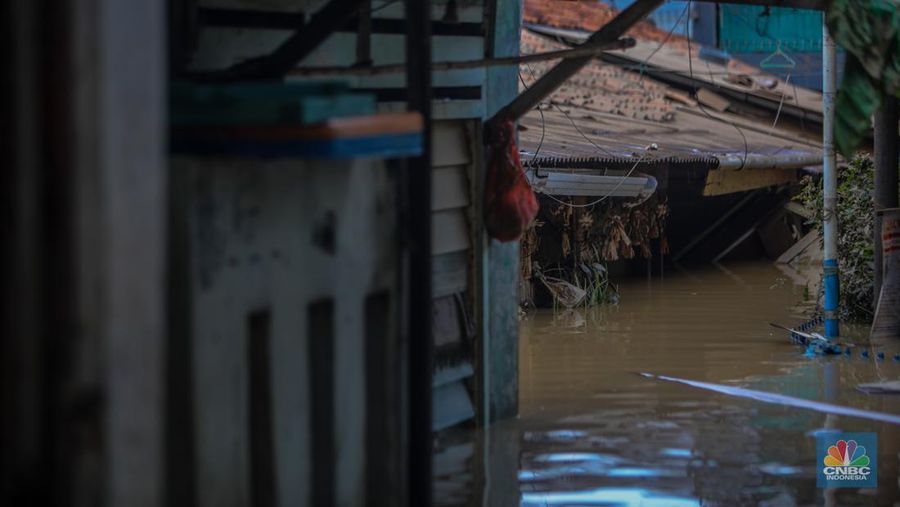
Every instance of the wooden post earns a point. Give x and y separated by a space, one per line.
885 194
132 187
498 364
418 222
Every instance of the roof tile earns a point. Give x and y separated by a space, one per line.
589 15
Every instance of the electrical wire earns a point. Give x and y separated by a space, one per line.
532 163
642 67
564 113
534 168
601 199
643 64
703 109
780 104
537 151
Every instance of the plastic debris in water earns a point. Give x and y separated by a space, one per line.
780 399
816 344
821 348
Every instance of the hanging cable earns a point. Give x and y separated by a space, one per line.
703 109
621 181
780 104
643 64
537 151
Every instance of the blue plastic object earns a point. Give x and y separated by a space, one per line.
388 145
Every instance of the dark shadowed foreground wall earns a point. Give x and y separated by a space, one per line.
84 243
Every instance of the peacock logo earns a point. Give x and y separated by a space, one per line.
847 460
846 453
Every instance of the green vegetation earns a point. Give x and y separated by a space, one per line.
594 280
855 223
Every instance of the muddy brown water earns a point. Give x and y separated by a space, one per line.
591 432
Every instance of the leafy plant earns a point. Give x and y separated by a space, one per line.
855 210
594 279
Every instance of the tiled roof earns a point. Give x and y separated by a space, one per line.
600 88
608 110
614 110
589 15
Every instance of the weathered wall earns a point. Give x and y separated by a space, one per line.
296 254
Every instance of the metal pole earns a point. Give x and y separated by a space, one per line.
829 172
885 195
418 178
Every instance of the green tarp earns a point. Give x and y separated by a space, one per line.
869 30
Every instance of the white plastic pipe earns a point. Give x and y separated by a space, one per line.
829 170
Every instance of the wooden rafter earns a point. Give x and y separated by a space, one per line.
301 43
567 68
623 43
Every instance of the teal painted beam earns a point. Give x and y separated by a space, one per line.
501 260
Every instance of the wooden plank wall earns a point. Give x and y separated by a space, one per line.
453 165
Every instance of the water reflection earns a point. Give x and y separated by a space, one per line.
590 432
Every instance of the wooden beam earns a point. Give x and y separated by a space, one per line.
418 311
283 20
799 247
886 174
712 228
722 181
565 69
275 65
398 68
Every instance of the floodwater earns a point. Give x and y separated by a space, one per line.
592 432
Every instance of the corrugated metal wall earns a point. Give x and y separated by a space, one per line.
752 33
756 29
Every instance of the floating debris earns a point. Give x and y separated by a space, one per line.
890 387
780 399
564 292
816 344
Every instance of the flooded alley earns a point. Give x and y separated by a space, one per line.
592 432
453 253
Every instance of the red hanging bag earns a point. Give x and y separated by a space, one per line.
509 203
